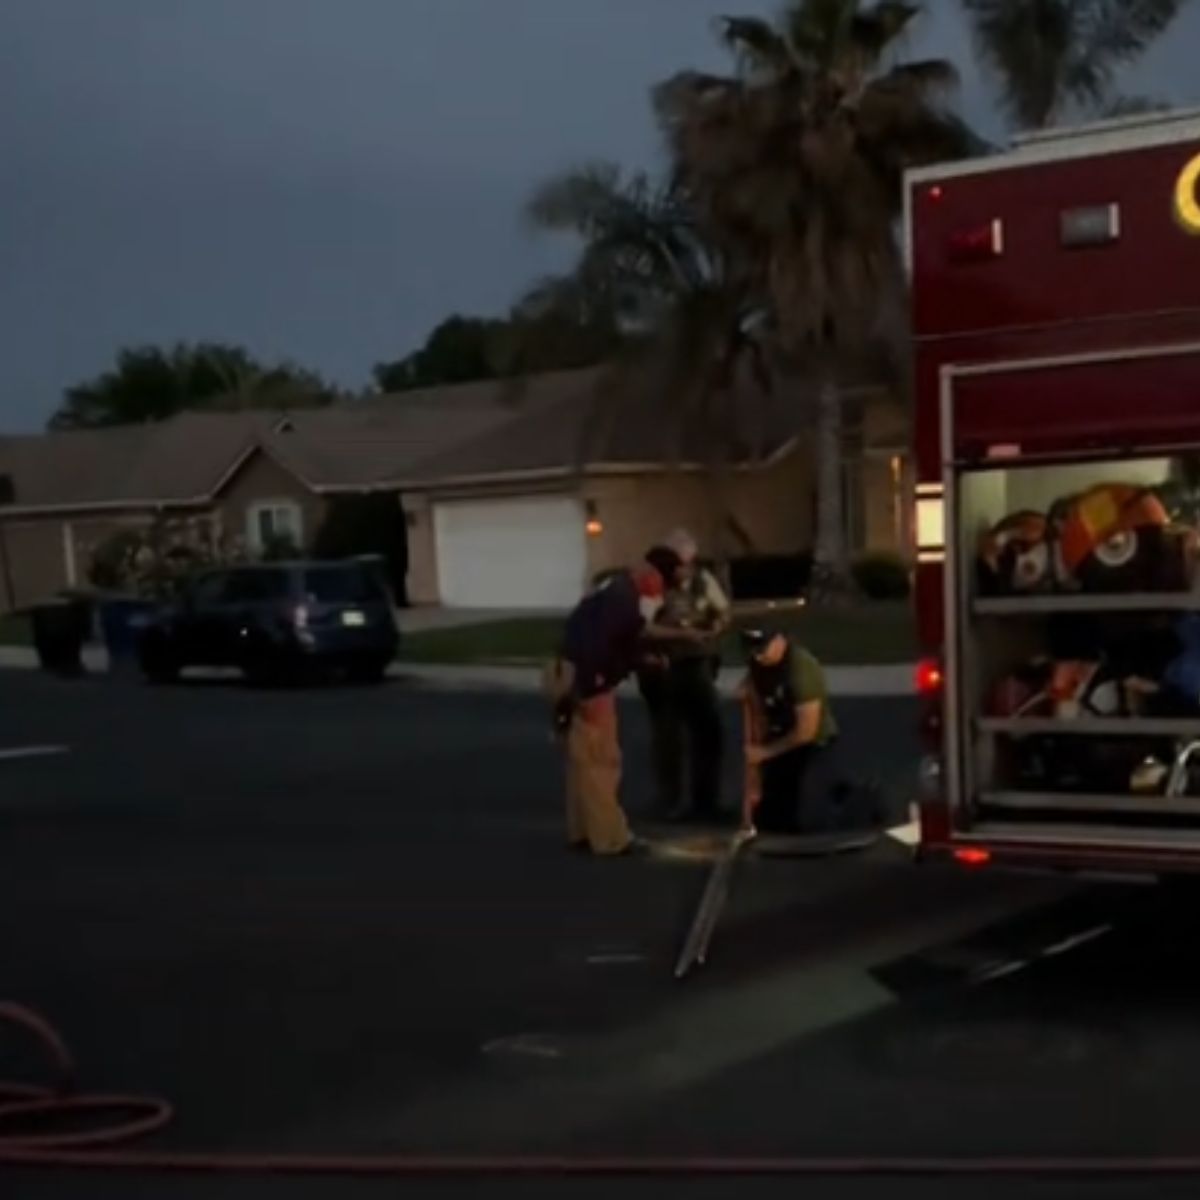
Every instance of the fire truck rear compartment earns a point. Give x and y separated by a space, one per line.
1070 656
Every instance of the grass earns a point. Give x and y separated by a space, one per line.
15 631
866 633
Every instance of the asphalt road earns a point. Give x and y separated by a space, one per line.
342 921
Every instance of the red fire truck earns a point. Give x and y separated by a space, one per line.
1056 310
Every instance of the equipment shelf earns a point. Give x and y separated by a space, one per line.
1181 727
1020 606
1079 802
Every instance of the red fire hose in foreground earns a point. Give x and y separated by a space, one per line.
124 1118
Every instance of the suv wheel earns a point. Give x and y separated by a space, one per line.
372 671
158 669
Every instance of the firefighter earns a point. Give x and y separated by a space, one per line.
601 644
791 735
678 685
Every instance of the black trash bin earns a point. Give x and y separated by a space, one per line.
60 628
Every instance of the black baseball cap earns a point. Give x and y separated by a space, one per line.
757 638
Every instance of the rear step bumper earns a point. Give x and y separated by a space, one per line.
1108 854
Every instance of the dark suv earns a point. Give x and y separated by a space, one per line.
275 620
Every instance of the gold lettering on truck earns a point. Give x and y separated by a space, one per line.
1187 204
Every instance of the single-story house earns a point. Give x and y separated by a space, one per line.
513 497
509 517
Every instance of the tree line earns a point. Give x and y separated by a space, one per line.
764 251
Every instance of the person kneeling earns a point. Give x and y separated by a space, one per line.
791 734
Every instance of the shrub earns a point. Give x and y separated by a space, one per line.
770 576
154 560
880 575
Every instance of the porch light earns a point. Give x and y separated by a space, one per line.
593 526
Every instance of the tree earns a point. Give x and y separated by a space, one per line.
464 349
149 383
794 163
691 332
1053 57
459 350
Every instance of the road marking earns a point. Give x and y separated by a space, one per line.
529 1045
999 971
614 960
1076 940
32 752
989 974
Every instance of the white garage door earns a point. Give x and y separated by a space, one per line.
526 553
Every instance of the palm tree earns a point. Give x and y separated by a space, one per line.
794 163
1052 57
692 327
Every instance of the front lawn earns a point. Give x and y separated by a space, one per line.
14 631
863 633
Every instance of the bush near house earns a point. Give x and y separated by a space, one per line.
770 576
882 576
155 561
15 630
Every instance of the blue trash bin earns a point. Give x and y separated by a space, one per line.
122 618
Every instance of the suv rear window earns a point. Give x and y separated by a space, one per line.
251 584
343 585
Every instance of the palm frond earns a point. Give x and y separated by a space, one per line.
876 30
1050 54
1133 106
1025 45
758 47
1111 34
819 30
932 77
1118 31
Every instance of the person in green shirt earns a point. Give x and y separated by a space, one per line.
791 736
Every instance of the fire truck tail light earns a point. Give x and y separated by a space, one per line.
973 856
980 244
929 677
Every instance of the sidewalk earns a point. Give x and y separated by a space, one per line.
843 681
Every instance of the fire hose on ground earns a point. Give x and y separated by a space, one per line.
130 1117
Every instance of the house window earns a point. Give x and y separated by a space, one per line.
274 525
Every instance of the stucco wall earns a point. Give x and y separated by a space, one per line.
773 507
262 480
422 552
36 561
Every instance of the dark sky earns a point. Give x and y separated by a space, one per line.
321 179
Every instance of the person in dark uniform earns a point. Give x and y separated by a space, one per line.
791 736
678 684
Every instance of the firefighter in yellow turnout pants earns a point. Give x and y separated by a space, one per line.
601 646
